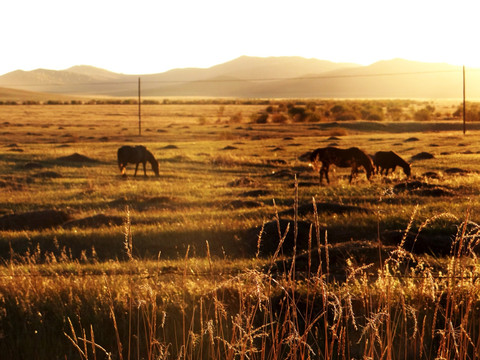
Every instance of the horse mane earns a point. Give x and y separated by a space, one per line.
366 160
401 162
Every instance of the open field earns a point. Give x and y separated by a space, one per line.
148 266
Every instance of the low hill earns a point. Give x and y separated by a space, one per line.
262 77
8 94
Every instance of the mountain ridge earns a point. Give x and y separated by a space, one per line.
246 76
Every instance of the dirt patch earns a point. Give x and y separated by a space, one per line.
412 139
34 220
229 147
94 221
324 207
422 156
48 175
276 162
358 252
270 237
431 175
284 173
33 165
13 185
256 193
238 204
423 243
421 188
412 185
167 147
456 171
243 181
433 192
77 158
303 184
163 202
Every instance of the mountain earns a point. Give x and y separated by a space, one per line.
256 77
94 73
8 94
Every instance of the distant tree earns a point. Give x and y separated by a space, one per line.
337 109
297 114
422 115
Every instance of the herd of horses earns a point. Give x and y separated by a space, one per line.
381 162
320 159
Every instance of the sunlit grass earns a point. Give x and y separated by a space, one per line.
189 288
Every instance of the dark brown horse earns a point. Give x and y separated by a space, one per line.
352 157
136 155
388 160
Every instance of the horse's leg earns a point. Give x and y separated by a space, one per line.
144 169
136 168
351 175
325 169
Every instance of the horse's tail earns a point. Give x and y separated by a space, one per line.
120 157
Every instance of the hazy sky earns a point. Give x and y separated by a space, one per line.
146 36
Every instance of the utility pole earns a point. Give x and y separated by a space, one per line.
139 110
464 112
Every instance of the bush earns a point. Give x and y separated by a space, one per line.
422 115
236 118
298 114
261 119
279 119
375 117
346 117
337 109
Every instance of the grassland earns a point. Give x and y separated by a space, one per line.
183 275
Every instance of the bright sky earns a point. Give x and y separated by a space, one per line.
152 36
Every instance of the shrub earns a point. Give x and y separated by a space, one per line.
279 119
236 118
298 114
262 118
337 109
375 117
346 116
422 115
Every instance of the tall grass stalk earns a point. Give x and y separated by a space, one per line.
406 307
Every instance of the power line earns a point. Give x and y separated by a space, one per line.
313 77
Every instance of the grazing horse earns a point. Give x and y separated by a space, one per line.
136 155
352 157
389 160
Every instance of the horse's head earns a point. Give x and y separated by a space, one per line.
155 167
407 170
306 156
369 166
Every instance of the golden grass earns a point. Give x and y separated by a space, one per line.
170 282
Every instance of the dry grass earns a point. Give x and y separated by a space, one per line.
176 279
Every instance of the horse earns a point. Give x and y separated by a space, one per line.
135 155
389 160
352 157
